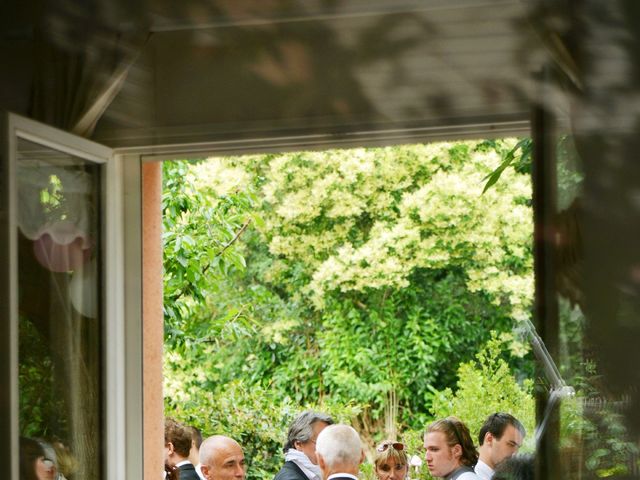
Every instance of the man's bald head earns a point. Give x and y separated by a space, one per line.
339 450
222 458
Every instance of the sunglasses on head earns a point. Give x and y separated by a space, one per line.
385 446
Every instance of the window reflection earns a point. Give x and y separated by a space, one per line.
594 441
59 314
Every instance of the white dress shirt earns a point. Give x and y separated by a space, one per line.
336 475
484 471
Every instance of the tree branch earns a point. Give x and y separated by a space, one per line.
237 235
231 242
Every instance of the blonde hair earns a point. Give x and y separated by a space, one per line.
399 456
67 463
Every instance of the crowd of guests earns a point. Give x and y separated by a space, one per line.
318 449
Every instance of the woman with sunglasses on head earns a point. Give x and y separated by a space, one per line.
450 453
391 461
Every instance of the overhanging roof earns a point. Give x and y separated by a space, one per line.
239 73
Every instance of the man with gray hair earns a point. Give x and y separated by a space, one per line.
300 448
339 451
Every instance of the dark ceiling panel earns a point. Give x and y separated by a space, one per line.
248 69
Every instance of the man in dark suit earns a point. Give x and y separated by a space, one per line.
300 448
194 454
339 451
177 444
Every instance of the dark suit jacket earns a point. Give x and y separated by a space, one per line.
290 471
188 472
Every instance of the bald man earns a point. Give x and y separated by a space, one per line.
222 458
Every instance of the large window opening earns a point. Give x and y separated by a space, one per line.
385 286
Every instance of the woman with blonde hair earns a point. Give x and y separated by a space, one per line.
450 453
391 461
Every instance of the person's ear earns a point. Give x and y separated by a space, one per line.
488 438
457 450
170 447
205 470
297 445
321 463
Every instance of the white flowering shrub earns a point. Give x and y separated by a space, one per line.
367 218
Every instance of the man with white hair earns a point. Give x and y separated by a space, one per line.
222 458
339 451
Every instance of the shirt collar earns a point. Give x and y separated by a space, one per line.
342 475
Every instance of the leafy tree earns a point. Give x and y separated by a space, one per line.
366 218
399 341
200 249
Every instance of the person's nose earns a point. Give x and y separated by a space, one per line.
239 471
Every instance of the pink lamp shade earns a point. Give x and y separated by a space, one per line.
61 247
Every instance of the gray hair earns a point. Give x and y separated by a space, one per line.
301 430
339 445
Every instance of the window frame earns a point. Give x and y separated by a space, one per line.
121 342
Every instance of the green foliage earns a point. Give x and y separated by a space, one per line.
200 248
593 435
41 400
379 342
485 386
367 218
519 157
593 432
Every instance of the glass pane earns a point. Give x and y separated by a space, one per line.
60 319
594 440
